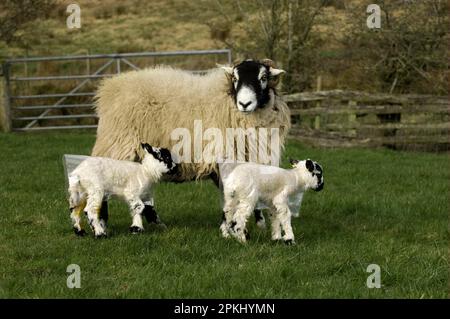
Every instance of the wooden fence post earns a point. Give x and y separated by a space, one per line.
318 104
352 119
5 114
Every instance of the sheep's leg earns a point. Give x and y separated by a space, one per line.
227 216
223 226
275 224
238 224
136 210
149 212
92 211
75 215
104 212
284 216
259 217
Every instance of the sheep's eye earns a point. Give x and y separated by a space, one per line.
234 79
264 78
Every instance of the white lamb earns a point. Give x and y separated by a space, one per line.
97 178
250 183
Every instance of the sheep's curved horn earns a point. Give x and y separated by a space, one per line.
268 62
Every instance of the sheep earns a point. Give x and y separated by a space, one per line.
249 183
150 104
97 178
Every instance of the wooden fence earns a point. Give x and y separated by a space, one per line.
348 118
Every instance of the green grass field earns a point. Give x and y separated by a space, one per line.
378 206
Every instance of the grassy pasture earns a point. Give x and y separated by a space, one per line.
378 206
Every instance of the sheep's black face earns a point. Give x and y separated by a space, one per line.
312 172
163 155
317 172
251 84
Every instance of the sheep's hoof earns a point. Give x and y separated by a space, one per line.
247 234
241 236
225 235
79 232
224 232
136 230
102 235
289 242
261 224
259 218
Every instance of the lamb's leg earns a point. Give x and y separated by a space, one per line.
238 224
92 211
227 216
136 210
259 217
284 216
224 225
275 224
149 212
75 215
104 212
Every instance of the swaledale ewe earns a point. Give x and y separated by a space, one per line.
97 178
250 183
148 105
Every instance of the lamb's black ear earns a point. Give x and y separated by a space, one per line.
147 148
309 165
293 161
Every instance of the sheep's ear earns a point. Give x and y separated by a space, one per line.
275 75
147 147
309 165
276 72
228 69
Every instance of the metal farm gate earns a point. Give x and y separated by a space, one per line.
63 101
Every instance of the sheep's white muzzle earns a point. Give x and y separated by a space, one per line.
246 100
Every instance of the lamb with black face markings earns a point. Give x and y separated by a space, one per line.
97 178
250 183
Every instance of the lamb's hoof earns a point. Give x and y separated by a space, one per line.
100 236
261 224
241 237
136 230
289 242
79 232
225 233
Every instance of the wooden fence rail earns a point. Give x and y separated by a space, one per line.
348 118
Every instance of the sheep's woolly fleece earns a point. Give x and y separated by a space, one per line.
147 105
